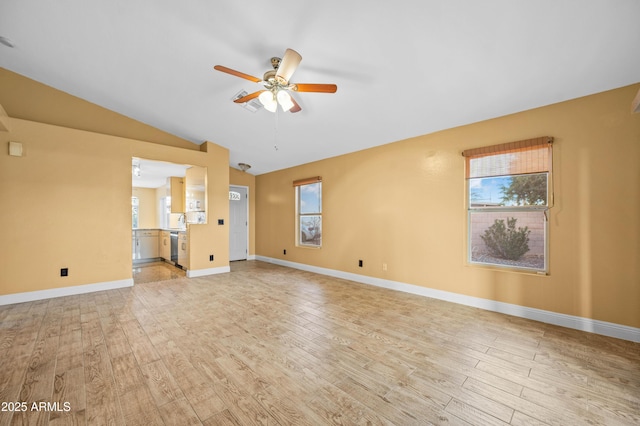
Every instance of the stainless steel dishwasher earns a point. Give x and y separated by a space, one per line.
174 247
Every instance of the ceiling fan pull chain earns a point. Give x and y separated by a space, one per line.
275 132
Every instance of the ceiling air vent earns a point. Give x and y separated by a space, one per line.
253 105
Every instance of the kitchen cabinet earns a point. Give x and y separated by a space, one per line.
183 250
134 245
176 189
165 245
145 245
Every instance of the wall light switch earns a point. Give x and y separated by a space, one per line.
15 149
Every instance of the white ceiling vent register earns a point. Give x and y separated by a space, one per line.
253 105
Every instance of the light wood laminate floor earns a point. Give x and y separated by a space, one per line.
269 345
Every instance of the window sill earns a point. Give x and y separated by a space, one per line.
506 268
308 246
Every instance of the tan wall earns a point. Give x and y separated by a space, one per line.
160 193
147 208
30 100
67 203
240 178
403 204
211 238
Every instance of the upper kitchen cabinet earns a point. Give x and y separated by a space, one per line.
176 189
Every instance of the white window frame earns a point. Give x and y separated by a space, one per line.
298 186
515 210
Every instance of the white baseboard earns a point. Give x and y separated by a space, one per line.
251 257
193 273
578 323
9 299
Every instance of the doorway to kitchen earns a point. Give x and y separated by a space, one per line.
166 198
238 222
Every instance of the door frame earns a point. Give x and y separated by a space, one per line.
248 217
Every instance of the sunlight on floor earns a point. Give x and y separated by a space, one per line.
155 271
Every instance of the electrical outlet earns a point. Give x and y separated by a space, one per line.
384 266
64 272
284 251
210 258
220 221
360 263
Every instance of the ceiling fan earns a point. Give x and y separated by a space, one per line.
277 84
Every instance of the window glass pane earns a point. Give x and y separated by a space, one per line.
310 198
311 230
518 190
514 239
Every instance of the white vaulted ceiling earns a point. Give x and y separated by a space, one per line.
403 68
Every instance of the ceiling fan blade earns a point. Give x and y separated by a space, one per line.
237 73
248 97
295 107
322 88
288 65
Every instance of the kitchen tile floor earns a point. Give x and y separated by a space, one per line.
155 271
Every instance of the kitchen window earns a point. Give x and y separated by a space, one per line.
509 193
309 212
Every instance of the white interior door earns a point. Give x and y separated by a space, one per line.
238 223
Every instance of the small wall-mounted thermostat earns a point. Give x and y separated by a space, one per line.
15 149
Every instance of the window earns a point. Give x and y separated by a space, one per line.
508 197
309 212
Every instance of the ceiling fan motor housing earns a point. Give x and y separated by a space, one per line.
270 76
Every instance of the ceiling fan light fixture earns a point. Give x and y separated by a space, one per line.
268 99
284 99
